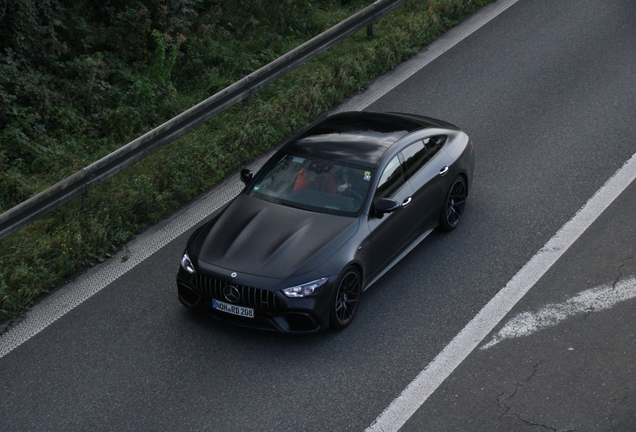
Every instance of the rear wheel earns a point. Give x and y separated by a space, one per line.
346 299
454 204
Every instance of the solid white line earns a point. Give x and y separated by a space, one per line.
593 300
71 296
427 381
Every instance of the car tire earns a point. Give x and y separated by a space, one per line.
454 203
346 298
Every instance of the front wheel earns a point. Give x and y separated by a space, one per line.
346 299
453 208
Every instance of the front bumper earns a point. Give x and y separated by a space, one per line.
276 312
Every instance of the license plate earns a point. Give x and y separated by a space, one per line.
233 309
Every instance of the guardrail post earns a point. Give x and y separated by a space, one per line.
84 193
370 30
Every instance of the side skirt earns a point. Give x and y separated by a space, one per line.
399 257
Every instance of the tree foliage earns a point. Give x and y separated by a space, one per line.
78 78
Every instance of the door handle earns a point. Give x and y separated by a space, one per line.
443 171
407 201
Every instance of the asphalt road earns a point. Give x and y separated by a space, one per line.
578 374
547 92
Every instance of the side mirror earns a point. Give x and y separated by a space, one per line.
246 175
385 205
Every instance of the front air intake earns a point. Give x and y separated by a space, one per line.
187 295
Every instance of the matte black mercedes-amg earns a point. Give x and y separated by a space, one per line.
326 216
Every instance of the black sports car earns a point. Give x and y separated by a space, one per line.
331 212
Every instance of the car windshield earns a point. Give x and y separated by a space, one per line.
314 184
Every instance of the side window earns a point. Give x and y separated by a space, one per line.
391 180
433 144
415 156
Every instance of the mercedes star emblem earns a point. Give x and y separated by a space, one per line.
231 293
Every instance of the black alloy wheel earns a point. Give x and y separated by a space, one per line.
346 299
453 209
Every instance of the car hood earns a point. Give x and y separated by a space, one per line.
266 239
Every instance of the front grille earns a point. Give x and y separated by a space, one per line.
250 297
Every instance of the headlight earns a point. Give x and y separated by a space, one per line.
187 264
305 290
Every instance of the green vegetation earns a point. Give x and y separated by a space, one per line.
79 79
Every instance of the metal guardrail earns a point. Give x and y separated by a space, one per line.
96 173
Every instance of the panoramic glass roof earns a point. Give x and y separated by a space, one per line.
358 138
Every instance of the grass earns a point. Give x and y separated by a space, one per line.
87 231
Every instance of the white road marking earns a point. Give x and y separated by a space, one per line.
68 298
427 381
593 300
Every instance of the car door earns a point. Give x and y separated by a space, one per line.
389 233
427 172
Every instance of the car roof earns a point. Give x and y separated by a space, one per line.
359 138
